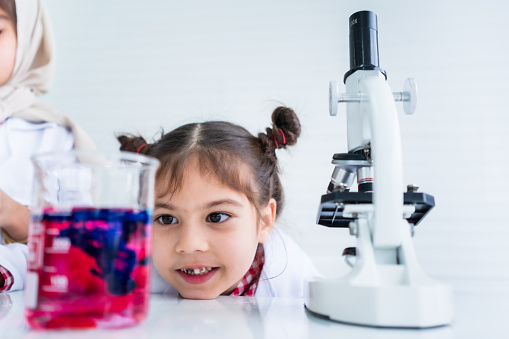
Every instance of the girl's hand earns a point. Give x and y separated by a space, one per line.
14 218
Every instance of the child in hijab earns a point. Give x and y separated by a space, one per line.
27 127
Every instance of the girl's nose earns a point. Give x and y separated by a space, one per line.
191 238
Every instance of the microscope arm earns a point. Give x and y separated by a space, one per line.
387 160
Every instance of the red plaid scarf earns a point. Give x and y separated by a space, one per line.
9 279
249 283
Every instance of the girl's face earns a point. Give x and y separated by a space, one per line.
8 42
206 235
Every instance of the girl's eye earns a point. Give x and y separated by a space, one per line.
217 217
167 219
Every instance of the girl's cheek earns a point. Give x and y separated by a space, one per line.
162 242
158 256
156 244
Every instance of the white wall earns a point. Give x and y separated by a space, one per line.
136 66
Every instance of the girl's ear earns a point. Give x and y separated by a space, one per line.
268 216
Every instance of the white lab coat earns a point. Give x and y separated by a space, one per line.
19 141
286 270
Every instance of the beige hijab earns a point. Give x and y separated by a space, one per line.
33 71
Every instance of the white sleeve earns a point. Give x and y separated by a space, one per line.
19 141
13 257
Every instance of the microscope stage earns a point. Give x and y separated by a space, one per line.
332 205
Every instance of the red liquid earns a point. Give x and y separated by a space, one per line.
88 268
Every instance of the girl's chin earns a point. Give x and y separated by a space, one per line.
198 296
202 294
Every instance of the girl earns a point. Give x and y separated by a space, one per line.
27 127
217 196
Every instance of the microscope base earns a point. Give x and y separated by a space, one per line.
380 292
381 306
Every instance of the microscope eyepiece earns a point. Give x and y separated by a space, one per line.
363 43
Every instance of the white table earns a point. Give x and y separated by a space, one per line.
479 314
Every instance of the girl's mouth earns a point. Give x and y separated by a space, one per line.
197 275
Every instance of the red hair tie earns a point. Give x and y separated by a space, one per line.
284 139
139 148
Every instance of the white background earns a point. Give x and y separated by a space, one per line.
137 66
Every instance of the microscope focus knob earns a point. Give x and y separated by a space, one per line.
333 98
410 96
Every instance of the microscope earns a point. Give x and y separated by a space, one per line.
386 286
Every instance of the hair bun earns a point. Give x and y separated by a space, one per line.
285 129
135 144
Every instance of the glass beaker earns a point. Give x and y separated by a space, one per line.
90 240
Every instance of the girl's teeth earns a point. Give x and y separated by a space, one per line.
196 271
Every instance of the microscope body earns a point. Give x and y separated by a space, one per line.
386 287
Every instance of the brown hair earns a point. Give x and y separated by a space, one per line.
9 6
227 151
